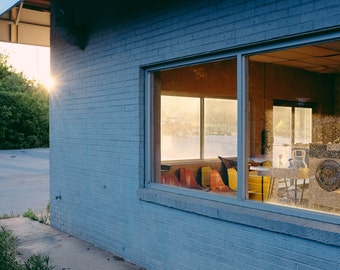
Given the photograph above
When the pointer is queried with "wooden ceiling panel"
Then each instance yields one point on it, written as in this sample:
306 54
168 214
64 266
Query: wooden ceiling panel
287 54
313 51
335 45
264 58
320 61
322 58
297 64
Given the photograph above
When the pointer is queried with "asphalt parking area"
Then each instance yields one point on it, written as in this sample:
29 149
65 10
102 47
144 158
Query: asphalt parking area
24 180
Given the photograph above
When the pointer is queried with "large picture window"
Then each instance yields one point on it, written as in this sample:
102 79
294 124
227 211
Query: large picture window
261 126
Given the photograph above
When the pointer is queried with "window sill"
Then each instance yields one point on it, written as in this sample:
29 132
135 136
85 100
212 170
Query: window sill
302 227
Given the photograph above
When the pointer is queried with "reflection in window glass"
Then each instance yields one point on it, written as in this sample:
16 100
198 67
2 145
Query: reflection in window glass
180 126
220 127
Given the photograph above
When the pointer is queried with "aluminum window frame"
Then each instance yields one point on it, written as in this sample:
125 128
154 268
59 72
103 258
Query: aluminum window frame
315 226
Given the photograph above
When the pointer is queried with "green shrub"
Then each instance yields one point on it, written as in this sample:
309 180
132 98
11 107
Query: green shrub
24 110
8 253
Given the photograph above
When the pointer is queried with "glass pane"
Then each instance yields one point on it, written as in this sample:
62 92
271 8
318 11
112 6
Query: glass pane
303 126
194 127
294 138
180 122
220 128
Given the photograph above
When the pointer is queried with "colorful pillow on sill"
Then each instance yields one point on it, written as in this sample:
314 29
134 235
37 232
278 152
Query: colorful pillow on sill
170 179
228 162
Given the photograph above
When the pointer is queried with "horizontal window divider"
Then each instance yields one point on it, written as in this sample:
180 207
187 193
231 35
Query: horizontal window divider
241 213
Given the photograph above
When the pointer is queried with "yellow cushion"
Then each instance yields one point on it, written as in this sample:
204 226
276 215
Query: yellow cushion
232 178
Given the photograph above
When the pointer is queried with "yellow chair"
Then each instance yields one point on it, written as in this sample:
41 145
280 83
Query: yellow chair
258 186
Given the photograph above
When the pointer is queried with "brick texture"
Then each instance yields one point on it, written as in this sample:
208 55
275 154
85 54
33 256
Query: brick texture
97 135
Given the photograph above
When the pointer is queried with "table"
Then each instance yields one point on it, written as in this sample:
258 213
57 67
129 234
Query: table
285 173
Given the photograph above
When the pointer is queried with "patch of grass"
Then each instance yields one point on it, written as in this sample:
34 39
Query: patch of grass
8 255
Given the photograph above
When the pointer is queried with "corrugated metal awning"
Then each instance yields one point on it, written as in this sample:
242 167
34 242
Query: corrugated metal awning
6 5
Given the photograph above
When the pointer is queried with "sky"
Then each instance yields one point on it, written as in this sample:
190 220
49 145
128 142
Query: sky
6 4
33 61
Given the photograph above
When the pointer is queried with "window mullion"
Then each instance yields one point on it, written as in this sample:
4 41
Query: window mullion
202 111
149 129
242 153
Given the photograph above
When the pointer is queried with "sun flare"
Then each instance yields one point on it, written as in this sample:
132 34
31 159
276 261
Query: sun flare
49 83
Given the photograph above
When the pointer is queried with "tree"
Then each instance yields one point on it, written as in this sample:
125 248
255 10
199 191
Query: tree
24 110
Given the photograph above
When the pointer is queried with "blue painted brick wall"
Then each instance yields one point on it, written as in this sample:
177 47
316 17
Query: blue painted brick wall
97 136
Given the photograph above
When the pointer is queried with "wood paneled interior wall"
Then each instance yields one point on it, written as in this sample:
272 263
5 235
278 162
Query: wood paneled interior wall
217 79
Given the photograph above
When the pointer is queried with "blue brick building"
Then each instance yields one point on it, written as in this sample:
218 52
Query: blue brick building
158 105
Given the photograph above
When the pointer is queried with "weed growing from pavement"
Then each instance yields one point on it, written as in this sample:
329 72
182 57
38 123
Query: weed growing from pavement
11 215
9 253
31 214
43 217
38 262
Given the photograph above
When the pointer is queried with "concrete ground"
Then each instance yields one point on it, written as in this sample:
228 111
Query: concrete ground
65 252
24 184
